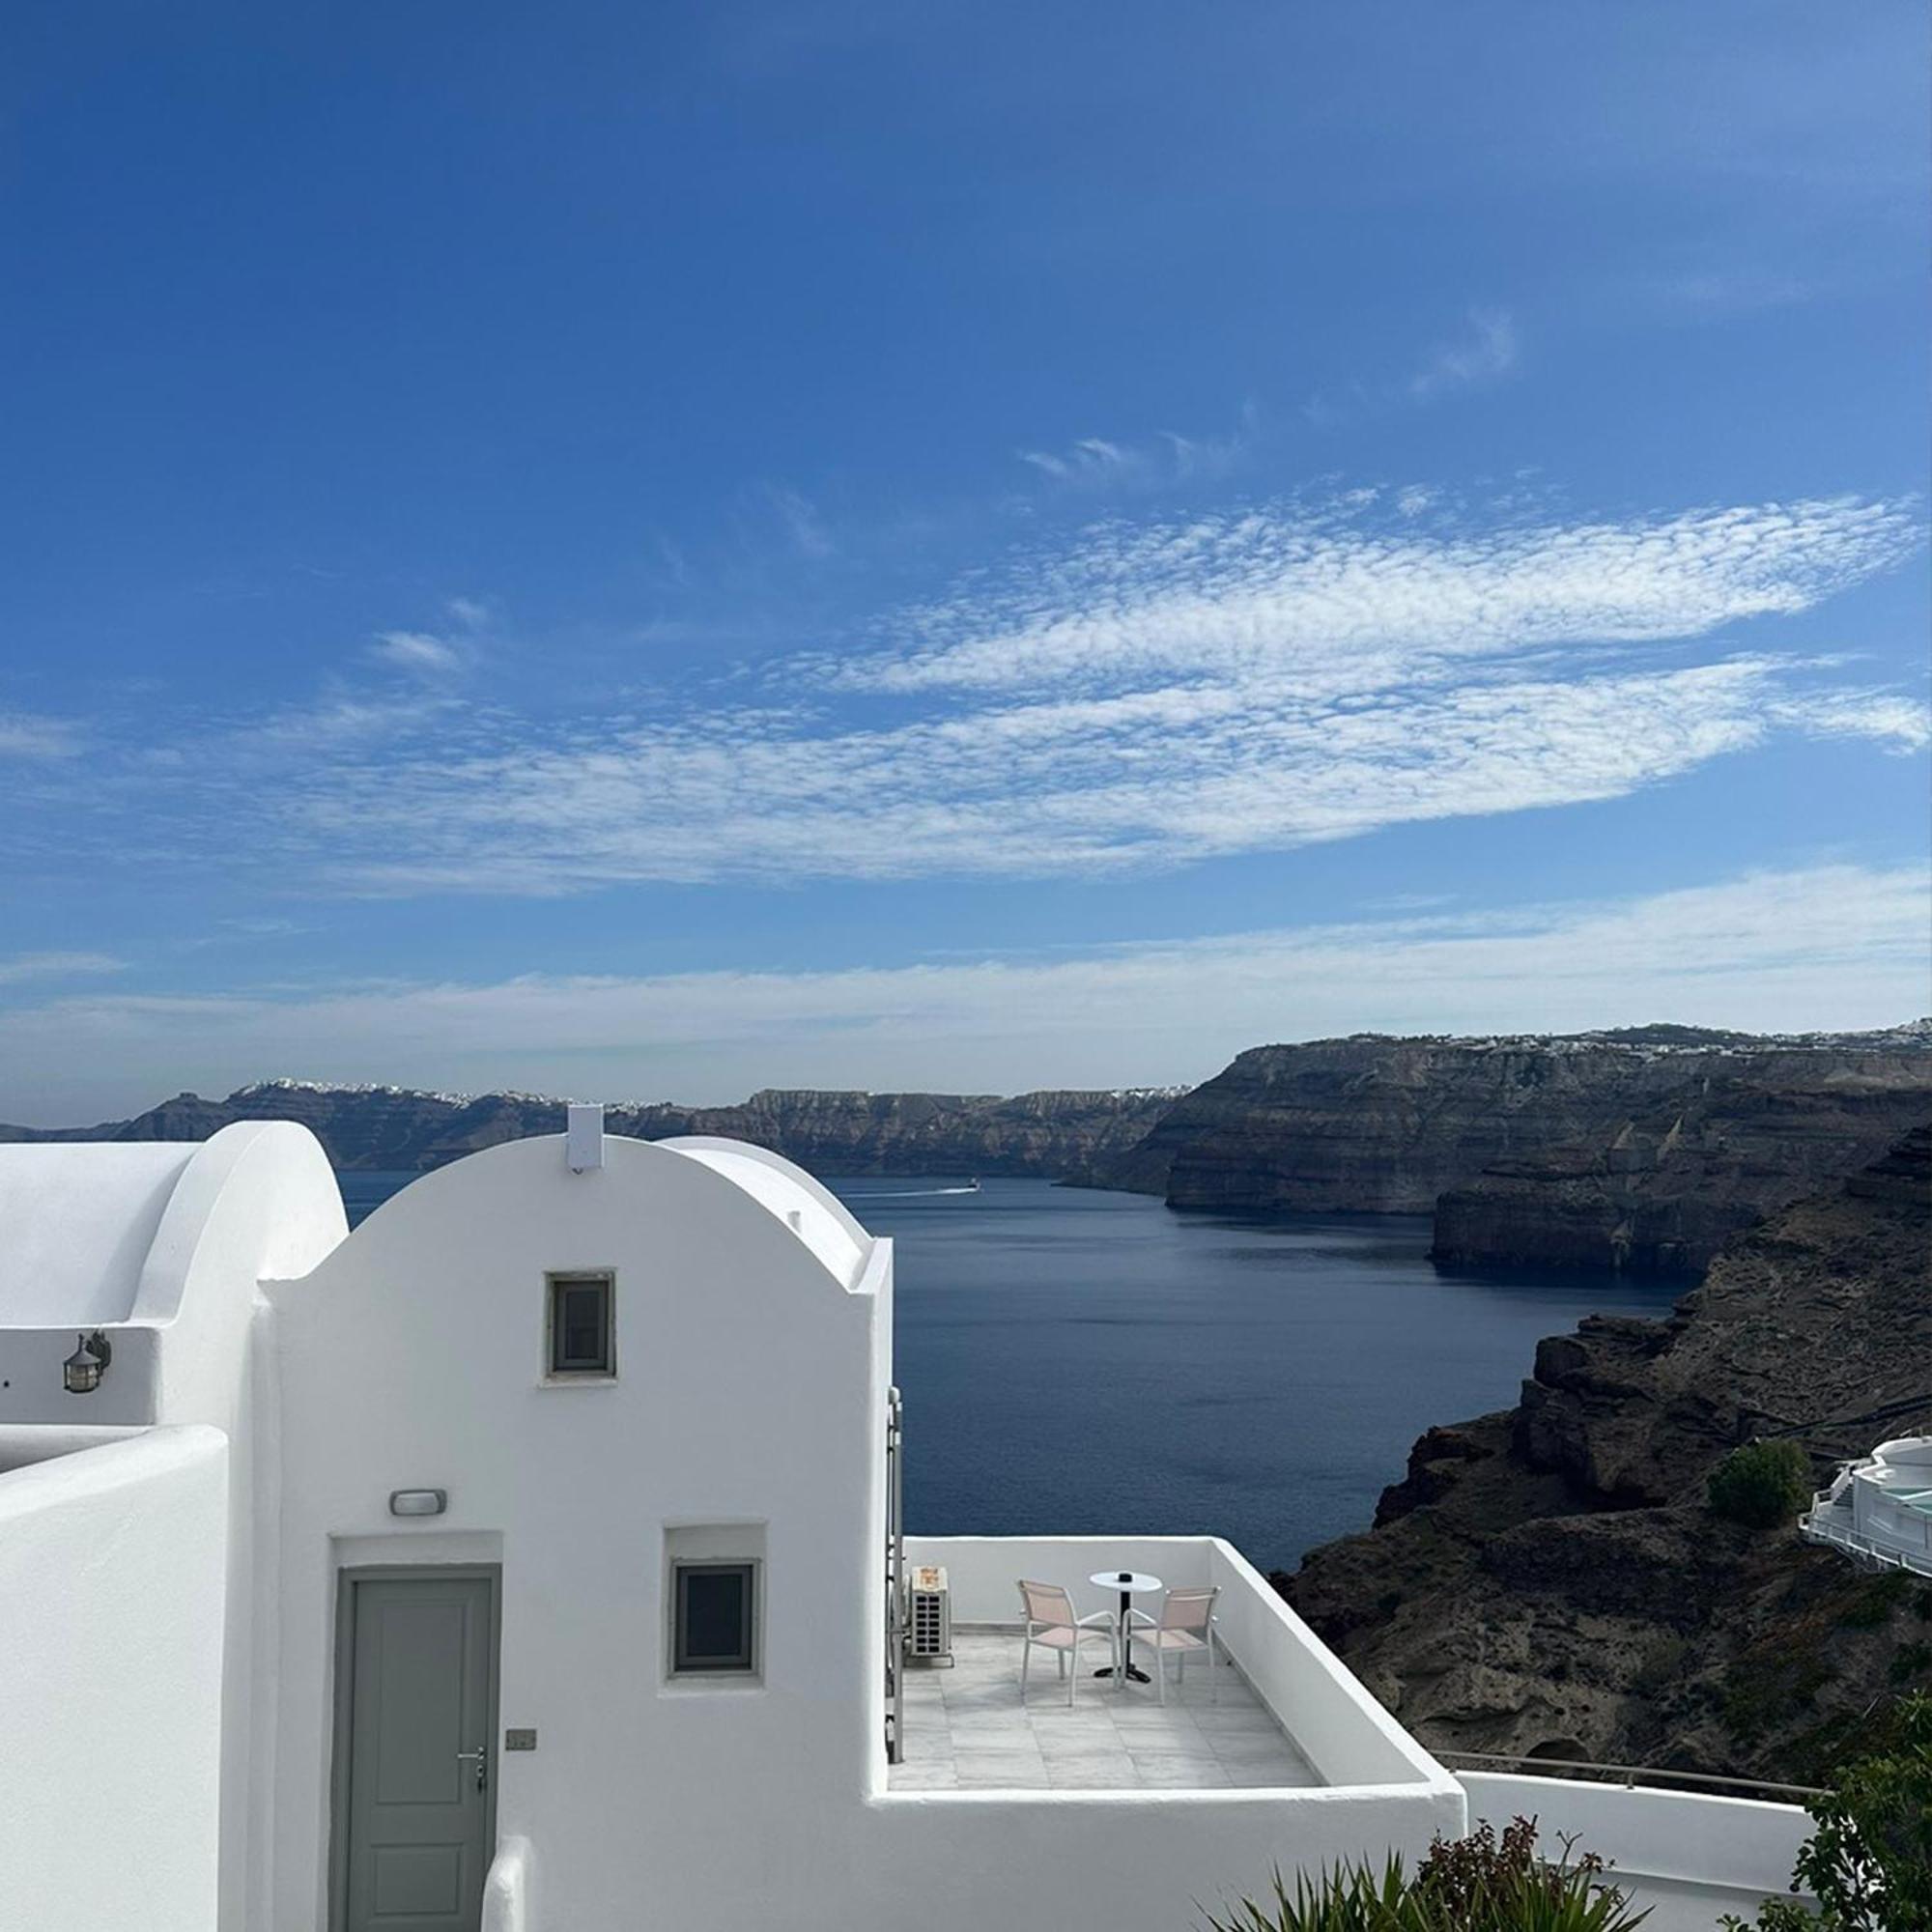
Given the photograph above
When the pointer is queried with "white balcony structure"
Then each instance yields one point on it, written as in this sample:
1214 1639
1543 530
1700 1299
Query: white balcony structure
518 1562
1879 1510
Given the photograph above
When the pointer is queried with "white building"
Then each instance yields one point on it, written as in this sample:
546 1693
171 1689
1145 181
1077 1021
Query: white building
519 1561
1879 1509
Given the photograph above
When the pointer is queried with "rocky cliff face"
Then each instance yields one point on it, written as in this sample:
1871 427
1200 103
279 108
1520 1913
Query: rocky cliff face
1378 1125
1730 1139
1548 1581
1641 1149
1048 1134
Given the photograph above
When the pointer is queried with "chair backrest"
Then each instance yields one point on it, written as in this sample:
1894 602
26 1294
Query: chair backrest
1188 1610
1047 1603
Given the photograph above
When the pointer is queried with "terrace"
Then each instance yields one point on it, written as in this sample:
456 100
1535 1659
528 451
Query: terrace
967 1729
1278 1716
1879 1510
1297 1765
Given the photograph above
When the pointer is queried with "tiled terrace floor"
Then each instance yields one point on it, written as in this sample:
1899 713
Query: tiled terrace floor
967 1730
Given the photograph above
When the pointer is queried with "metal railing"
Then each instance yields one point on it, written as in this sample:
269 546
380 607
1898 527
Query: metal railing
1631 1777
1888 1411
895 1592
1814 1528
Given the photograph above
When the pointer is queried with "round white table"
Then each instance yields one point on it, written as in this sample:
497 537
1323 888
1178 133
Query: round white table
1130 1583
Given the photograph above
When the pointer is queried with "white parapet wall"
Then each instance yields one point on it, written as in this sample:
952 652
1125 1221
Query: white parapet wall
112 1565
1688 1857
1149 1860
1342 1730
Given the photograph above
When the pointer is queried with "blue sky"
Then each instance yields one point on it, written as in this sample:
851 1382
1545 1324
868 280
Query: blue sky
656 551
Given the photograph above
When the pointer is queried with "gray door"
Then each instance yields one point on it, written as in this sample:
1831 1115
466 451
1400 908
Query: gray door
415 1818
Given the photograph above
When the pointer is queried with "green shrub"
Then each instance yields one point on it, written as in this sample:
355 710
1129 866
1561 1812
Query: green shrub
1910 1661
1874 1605
1478 1884
1869 1861
1761 1484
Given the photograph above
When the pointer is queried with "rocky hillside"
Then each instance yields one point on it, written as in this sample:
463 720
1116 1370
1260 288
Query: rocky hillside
1733 1138
401 1130
1549 1581
1642 1149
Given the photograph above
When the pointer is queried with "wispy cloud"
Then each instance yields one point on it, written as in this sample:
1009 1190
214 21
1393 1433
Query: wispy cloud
1096 463
1485 352
336 723
1090 457
24 735
419 653
1831 945
1146 693
1334 593
56 966
799 518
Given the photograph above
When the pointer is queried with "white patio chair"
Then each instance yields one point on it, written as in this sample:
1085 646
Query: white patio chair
1051 1624
1185 1629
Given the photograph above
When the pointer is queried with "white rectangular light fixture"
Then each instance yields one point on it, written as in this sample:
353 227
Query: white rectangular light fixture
418 1502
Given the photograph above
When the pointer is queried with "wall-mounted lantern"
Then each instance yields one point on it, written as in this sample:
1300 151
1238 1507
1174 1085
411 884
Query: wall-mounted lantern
81 1372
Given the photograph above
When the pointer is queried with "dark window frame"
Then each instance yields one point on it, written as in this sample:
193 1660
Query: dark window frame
558 1365
744 1661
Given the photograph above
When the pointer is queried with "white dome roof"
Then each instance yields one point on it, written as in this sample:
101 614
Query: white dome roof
810 1209
77 1221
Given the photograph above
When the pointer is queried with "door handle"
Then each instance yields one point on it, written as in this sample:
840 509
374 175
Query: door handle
481 1759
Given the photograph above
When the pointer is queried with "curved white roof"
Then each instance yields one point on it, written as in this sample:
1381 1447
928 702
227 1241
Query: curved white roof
809 1209
77 1221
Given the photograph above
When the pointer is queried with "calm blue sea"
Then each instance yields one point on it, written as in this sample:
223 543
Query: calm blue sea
1085 1362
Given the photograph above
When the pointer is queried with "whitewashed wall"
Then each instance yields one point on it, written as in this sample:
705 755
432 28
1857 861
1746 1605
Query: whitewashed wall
1117 1861
257 1199
163 1247
751 1389
1688 1857
1142 1860
111 1570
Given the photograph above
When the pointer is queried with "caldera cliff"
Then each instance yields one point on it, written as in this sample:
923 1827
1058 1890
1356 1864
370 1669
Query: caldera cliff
1550 1580
1642 1150
406 1129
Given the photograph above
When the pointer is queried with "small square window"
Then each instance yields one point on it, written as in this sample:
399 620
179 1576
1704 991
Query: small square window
581 1335
713 1617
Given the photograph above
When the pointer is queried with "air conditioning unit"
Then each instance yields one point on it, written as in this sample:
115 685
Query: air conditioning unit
928 1626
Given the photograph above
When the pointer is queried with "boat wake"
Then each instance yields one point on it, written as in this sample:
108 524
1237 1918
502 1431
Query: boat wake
912 1193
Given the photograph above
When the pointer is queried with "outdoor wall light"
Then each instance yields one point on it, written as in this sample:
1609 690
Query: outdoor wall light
418 1502
81 1372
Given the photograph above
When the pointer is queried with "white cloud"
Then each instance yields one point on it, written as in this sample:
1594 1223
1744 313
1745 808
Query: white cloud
1096 463
799 518
56 966
333 727
419 652
1485 354
1148 693
1826 947
1897 722
24 735
1160 776
1347 599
